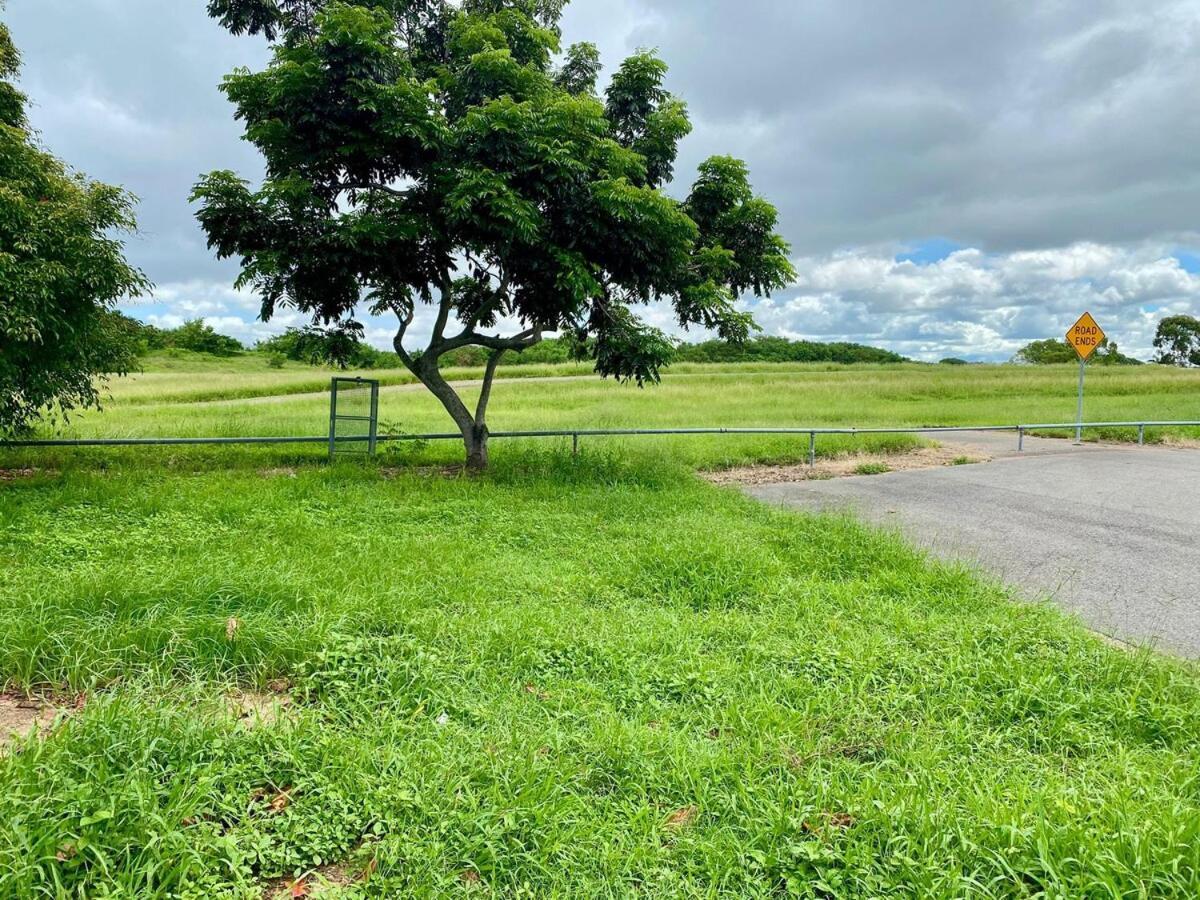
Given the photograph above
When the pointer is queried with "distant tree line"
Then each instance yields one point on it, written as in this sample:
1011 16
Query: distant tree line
1177 340
778 349
345 348
761 349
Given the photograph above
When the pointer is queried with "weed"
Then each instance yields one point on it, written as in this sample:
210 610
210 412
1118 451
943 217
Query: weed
872 468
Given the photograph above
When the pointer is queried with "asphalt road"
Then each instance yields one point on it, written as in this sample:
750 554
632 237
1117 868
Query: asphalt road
1109 533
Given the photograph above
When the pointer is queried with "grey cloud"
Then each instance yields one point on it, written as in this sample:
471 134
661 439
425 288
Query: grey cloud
1001 124
126 91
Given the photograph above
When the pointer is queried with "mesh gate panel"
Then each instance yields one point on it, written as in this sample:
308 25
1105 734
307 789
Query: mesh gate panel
353 416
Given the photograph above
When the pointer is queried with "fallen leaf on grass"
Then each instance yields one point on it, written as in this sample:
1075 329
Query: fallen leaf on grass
231 628
281 800
682 818
535 691
841 820
470 876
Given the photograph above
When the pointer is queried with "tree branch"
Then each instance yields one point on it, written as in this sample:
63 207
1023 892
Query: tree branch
398 342
375 187
470 337
485 394
436 342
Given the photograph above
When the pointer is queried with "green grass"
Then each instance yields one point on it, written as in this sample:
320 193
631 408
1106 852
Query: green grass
872 468
295 401
573 677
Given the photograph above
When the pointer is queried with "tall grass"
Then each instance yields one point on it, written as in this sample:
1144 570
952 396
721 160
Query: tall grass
716 396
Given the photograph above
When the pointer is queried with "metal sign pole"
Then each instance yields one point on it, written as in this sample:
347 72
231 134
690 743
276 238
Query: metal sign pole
1079 412
1086 336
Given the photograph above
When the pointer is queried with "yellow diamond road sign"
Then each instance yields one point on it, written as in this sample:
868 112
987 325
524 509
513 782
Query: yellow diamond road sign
1085 336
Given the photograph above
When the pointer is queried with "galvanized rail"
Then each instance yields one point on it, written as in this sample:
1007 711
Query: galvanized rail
577 433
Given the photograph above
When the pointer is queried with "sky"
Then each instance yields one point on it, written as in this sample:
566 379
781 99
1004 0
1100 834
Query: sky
955 179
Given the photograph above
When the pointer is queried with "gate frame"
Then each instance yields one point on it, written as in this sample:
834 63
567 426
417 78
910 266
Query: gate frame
334 418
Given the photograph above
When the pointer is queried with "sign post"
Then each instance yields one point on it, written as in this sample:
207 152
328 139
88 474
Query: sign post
1085 336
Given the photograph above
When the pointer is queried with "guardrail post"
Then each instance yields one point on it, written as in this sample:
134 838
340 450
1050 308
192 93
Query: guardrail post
1141 435
1020 440
575 445
812 449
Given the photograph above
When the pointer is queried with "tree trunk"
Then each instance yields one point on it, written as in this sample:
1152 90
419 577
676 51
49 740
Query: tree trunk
473 427
476 441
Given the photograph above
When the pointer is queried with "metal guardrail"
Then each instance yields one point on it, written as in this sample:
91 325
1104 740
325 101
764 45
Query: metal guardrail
577 433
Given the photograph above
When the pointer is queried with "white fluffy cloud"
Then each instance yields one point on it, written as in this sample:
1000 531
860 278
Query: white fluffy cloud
979 305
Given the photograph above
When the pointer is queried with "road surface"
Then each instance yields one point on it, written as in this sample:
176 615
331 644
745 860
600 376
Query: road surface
1110 533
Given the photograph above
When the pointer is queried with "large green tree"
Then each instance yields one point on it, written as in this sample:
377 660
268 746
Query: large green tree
61 271
448 162
1178 341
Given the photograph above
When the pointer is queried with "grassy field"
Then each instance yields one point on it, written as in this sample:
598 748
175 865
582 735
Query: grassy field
572 677
190 398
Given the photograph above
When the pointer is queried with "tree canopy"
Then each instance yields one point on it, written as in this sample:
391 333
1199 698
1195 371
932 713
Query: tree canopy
1056 352
61 271
1178 341
450 163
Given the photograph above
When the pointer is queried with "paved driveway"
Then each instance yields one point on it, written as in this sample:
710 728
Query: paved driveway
1109 533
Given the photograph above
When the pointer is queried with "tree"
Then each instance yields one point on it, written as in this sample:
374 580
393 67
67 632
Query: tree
198 337
61 271
327 347
1047 352
429 153
1053 352
1178 341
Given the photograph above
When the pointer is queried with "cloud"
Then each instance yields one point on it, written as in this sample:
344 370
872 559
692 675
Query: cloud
1008 126
980 305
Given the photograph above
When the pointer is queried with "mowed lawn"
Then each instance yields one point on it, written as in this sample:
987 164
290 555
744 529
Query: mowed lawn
571 677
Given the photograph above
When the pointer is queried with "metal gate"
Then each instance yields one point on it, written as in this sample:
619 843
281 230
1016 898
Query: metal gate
353 416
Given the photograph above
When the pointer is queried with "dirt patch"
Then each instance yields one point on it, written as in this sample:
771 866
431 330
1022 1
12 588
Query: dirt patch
21 716
390 472
314 884
24 474
256 708
1183 443
851 465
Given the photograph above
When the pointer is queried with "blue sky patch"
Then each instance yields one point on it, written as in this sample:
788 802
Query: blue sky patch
932 250
1188 261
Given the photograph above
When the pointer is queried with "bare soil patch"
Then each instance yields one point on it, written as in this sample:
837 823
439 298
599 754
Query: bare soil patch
22 715
1184 443
847 466
314 884
24 474
256 708
390 472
